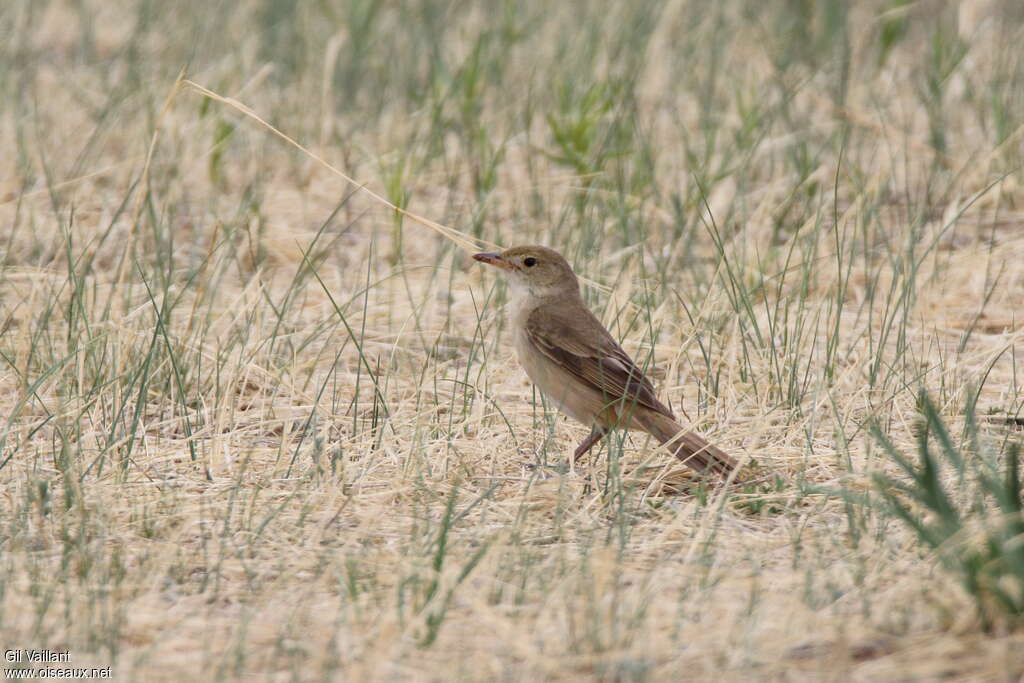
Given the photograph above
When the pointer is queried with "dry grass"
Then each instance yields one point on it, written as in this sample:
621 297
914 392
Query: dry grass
257 424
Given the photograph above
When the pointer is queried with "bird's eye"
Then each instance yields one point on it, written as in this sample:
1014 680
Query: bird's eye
529 262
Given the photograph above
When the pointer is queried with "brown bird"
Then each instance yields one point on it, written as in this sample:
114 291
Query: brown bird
577 364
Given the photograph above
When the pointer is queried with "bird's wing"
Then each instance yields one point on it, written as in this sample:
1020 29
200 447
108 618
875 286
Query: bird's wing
580 345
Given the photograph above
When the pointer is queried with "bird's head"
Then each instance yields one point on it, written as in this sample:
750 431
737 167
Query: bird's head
536 270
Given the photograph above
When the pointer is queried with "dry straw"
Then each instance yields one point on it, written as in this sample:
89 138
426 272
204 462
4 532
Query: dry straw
466 242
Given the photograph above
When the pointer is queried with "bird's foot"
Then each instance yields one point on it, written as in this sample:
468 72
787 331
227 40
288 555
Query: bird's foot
548 469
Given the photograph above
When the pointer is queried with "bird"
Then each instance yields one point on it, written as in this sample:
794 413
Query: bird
577 364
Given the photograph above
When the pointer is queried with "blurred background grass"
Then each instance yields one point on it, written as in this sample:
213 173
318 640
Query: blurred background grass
256 424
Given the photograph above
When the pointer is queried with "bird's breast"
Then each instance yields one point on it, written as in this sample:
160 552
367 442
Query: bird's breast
560 387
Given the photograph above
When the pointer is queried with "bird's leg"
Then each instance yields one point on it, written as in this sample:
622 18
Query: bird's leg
596 434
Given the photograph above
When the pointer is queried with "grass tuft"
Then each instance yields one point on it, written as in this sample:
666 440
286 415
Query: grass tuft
966 504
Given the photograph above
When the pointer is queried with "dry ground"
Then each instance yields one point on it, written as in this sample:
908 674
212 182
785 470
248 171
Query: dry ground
256 425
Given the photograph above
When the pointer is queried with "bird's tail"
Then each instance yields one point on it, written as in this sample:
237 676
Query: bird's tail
688 446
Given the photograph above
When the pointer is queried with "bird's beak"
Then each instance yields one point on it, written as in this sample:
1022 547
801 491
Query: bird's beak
494 260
